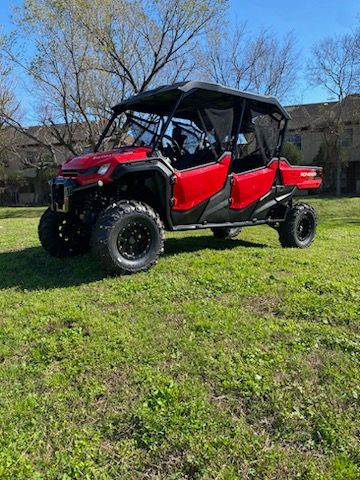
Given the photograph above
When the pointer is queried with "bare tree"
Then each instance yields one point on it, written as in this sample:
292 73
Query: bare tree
260 63
13 137
61 75
89 55
335 66
8 107
148 42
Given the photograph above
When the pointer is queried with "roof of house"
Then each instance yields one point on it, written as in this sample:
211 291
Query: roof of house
37 134
320 115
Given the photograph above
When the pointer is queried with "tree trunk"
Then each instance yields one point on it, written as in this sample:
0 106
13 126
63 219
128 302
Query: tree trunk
37 191
338 177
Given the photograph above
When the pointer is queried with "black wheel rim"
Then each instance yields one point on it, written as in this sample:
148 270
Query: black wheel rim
68 231
134 240
305 228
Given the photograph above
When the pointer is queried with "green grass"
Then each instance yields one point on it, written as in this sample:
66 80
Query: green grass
229 360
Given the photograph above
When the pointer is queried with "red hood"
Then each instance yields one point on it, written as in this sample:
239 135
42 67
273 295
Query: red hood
120 155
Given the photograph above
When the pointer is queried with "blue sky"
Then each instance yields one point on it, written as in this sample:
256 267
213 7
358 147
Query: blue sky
5 11
310 20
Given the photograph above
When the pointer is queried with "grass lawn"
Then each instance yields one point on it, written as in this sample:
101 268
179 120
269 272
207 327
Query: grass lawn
230 359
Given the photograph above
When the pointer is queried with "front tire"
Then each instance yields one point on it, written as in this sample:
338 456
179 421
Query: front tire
62 235
224 233
128 238
299 228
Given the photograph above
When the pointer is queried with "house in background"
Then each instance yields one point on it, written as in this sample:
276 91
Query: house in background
313 129
26 164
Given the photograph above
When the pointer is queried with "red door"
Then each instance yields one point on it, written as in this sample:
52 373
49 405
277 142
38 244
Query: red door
248 187
197 184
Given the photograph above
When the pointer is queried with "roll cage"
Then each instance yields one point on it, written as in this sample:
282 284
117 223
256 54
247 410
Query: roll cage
210 110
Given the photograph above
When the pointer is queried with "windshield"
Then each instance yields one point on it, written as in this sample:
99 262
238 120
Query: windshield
185 134
132 129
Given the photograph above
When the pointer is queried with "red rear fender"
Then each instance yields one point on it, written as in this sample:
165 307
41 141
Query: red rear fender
302 177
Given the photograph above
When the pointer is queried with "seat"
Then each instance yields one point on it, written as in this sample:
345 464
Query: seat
247 163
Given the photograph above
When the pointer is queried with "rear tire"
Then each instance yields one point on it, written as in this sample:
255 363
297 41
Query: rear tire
299 228
128 238
62 235
223 233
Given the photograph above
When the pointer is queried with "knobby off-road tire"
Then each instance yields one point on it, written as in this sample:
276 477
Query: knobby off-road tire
223 233
299 228
62 235
128 238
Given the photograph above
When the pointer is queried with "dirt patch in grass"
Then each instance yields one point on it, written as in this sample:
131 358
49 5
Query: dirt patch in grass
315 361
66 324
266 304
176 319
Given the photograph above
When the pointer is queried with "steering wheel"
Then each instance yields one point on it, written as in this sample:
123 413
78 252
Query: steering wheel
175 143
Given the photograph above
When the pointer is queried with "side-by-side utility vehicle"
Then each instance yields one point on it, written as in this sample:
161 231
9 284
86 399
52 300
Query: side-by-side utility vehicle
187 156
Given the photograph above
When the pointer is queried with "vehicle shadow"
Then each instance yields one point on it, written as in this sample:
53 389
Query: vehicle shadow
33 269
198 243
20 212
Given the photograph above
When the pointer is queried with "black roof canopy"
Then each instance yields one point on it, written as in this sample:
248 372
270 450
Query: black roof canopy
161 100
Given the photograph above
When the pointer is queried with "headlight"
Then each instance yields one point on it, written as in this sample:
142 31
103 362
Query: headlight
103 169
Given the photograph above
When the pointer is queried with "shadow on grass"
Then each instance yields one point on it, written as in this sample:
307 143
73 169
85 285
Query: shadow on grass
21 212
33 269
195 244
341 222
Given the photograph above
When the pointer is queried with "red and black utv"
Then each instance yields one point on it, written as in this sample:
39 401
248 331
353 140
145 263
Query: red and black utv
187 156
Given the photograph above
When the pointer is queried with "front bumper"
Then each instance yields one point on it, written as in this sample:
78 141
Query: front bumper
61 191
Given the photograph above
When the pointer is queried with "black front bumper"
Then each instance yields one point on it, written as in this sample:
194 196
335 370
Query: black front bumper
61 191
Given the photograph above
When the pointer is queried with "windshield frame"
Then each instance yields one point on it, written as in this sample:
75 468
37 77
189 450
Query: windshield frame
131 118
157 138
146 127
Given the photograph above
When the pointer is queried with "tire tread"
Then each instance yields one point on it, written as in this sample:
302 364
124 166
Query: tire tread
287 229
48 222
100 236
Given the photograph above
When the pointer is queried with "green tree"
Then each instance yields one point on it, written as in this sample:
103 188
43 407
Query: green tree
293 154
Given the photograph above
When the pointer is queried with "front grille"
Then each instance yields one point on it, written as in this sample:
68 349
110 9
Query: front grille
79 172
72 173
